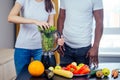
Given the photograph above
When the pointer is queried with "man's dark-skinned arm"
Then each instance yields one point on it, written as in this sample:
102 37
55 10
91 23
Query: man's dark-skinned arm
93 52
60 25
61 19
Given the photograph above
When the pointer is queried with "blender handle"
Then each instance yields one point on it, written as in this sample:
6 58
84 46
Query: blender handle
59 36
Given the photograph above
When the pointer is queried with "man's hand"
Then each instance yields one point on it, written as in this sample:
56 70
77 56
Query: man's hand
61 50
61 41
93 56
61 45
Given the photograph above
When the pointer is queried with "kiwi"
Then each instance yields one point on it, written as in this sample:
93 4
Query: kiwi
99 74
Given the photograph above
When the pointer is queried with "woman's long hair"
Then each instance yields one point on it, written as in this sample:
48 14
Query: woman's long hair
48 5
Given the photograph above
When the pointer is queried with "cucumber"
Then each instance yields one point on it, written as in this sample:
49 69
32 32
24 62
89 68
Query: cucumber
93 73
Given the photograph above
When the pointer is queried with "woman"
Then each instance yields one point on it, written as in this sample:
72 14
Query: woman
34 13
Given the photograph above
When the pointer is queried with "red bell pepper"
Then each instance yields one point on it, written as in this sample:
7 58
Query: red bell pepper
71 67
84 70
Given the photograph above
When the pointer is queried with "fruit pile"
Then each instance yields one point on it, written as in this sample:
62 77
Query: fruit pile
70 70
102 73
105 73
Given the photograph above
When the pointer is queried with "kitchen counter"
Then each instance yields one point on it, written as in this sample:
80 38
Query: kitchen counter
24 75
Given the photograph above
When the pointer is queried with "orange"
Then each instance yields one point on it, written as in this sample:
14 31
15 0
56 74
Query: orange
36 68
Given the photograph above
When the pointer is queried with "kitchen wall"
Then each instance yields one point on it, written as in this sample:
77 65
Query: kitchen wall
6 29
109 59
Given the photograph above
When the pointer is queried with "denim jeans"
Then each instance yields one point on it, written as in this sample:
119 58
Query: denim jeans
75 55
23 57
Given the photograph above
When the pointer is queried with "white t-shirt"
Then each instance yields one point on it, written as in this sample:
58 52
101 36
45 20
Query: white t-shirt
78 21
29 37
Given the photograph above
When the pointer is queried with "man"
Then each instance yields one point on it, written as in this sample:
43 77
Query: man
75 23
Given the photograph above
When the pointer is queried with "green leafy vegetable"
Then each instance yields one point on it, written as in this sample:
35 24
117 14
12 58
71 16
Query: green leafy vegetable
47 38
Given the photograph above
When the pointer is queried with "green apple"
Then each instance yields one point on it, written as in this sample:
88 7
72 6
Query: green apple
81 64
58 67
106 71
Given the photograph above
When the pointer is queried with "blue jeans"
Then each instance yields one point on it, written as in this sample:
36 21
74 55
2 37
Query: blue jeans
23 57
75 55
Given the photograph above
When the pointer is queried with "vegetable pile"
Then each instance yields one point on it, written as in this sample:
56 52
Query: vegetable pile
47 38
79 69
74 69
70 70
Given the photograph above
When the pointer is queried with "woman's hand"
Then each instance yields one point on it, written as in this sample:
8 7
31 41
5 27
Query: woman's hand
44 25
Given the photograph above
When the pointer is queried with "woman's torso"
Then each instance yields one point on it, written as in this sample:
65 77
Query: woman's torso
29 37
